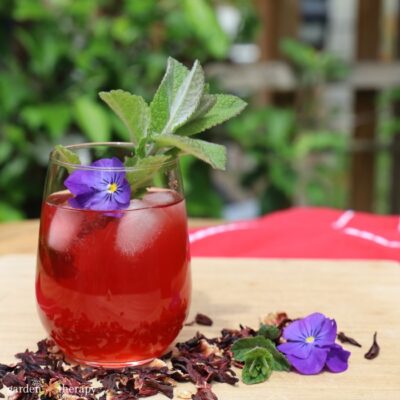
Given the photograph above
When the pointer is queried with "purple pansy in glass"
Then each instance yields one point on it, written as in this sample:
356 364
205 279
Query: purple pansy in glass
104 189
311 345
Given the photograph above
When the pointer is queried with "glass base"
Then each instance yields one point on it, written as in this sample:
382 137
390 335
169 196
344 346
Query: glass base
112 365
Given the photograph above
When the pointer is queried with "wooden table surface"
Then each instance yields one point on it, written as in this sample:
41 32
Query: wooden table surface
361 296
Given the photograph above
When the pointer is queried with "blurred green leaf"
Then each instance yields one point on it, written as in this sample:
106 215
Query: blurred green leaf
15 136
202 18
12 171
311 61
56 55
9 213
55 118
28 10
309 142
92 119
5 150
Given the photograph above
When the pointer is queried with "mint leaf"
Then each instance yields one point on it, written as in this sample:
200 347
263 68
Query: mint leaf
279 362
67 156
207 102
165 95
131 109
145 169
186 100
269 331
242 346
225 107
211 153
257 367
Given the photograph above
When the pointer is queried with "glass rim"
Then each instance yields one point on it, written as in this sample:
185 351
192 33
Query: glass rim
128 145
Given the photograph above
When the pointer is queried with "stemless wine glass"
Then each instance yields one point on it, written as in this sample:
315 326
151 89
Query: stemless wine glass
113 285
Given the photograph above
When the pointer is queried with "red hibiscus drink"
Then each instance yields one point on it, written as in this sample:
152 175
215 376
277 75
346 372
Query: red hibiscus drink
113 280
113 284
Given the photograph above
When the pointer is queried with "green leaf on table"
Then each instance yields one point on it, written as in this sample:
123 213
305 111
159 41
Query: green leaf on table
166 92
242 346
144 169
257 366
211 153
225 107
279 361
67 156
131 109
92 119
269 331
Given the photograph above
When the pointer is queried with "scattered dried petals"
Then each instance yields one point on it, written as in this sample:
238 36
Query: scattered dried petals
202 319
343 338
275 318
373 352
184 394
204 394
208 349
157 364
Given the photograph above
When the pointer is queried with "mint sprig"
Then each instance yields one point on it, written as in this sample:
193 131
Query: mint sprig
260 357
182 106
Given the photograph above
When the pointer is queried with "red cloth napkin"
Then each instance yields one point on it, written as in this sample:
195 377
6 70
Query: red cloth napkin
303 233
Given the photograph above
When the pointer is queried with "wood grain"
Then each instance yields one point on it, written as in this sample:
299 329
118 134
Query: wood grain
361 296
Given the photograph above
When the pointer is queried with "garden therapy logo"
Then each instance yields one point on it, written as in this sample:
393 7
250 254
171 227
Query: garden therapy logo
160 132
52 389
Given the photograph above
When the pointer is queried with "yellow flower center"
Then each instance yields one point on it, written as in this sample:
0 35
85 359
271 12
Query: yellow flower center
112 188
310 339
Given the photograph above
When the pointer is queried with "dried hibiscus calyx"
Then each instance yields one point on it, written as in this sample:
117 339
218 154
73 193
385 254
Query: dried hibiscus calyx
278 345
202 319
204 394
343 338
373 352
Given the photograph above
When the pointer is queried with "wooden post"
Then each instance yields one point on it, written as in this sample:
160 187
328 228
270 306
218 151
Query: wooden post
395 175
279 19
363 162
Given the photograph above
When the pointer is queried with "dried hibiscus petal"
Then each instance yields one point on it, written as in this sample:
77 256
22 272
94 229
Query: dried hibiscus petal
373 352
204 394
202 319
343 338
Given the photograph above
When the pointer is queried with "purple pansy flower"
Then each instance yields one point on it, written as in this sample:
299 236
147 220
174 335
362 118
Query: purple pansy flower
311 345
105 188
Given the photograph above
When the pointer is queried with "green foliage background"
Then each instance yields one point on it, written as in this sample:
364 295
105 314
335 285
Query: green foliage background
56 55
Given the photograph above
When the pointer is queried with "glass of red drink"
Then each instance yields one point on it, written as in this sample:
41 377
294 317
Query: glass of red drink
113 286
